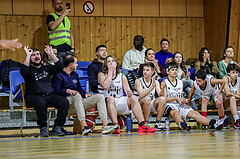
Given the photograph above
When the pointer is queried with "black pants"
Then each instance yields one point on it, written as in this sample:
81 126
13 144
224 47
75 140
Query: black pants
40 104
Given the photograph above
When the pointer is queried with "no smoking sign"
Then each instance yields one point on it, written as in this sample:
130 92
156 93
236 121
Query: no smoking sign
88 7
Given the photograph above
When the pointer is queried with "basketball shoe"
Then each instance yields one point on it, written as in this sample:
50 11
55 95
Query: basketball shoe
86 130
44 132
145 128
220 123
109 129
237 124
159 126
183 125
118 130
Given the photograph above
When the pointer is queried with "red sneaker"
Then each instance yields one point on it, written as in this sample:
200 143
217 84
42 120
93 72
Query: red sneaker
118 130
146 128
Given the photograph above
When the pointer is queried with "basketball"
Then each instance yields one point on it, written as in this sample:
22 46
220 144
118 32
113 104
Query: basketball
122 121
90 120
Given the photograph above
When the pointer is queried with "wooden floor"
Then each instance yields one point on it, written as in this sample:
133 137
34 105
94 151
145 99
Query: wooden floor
172 144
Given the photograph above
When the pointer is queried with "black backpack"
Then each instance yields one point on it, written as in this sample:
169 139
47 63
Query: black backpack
131 77
7 66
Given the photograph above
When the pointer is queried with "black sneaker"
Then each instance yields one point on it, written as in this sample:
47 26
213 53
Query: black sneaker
183 125
159 126
86 130
237 124
44 132
220 123
57 131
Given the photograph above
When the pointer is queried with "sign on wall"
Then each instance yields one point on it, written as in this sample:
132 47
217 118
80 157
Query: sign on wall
88 7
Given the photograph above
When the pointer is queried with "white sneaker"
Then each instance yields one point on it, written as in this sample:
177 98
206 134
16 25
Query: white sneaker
159 126
86 131
220 123
109 129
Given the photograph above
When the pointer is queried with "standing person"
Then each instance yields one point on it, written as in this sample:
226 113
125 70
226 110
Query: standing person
111 85
95 67
184 75
147 88
134 57
177 107
231 93
66 83
39 90
59 30
159 71
206 63
164 56
10 44
227 58
207 85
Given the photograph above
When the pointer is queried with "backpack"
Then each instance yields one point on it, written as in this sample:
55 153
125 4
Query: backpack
131 77
8 66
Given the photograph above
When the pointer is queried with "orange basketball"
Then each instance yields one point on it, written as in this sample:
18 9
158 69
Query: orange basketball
90 120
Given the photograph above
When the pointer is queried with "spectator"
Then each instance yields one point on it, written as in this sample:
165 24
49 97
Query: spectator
158 69
206 63
95 67
59 30
227 56
164 56
39 90
66 83
134 57
184 75
47 59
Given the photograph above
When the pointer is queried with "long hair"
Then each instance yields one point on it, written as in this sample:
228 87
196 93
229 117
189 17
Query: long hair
224 52
182 64
105 69
200 55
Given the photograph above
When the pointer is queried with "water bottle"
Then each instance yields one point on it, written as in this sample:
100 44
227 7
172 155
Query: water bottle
167 125
129 125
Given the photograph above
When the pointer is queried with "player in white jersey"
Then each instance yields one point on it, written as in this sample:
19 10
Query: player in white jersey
206 84
231 92
111 83
176 106
147 87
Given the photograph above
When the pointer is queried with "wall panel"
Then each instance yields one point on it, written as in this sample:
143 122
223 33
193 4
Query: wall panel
117 8
6 7
173 8
195 8
186 35
49 9
145 8
28 7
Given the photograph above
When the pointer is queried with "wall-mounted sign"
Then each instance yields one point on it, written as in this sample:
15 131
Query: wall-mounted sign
88 7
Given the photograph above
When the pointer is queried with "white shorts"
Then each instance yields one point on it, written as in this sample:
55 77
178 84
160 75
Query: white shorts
121 105
208 96
153 110
183 109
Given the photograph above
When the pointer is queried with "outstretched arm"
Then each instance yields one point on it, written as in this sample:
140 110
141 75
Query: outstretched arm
10 44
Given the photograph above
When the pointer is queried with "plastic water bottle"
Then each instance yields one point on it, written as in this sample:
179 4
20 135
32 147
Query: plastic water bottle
129 125
167 125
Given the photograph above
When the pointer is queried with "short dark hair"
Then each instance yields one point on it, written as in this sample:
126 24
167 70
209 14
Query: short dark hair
68 59
163 39
201 74
148 50
232 67
98 47
170 65
149 64
35 49
224 51
53 1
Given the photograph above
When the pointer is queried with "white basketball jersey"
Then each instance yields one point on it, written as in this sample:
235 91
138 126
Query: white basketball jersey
209 89
174 91
145 87
233 88
116 88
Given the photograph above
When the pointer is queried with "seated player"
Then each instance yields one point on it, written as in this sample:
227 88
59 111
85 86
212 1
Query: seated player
112 83
207 85
147 87
231 92
66 83
177 106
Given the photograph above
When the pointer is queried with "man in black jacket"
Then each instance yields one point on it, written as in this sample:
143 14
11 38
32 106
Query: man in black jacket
39 91
95 67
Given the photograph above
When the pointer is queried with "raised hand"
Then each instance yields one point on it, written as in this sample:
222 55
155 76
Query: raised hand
28 51
48 49
10 44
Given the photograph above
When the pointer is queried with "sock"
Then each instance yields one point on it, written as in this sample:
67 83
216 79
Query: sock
220 117
85 127
212 122
235 117
142 123
204 114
